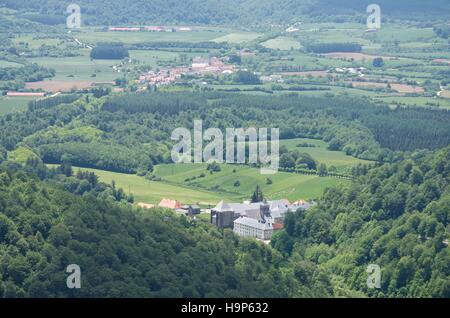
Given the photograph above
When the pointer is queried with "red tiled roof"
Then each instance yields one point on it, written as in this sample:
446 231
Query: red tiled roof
169 204
277 226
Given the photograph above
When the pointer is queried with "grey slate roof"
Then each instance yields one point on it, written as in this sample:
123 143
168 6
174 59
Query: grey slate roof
222 207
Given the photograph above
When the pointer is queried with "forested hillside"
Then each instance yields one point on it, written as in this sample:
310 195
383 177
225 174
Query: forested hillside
261 12
124 252
396 216
131 133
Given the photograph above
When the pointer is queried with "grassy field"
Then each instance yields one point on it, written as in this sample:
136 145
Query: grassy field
210 189
238 37
285 185
35 43
151 57
152 192
9 104
79 68
282 43
321 154
417 101
91 36
4 63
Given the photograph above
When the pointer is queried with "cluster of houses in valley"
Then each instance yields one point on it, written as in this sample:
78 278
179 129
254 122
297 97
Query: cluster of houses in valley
258 220
199 66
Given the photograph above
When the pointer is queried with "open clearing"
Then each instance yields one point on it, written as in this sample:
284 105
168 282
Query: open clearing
13 104
321 154
283 43
93 37
79 68
63 86
210 189
285 185
407 89
400 88
238 37
147 191
354 56
4 63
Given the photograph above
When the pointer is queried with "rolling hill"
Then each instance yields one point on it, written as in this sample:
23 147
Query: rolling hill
247 12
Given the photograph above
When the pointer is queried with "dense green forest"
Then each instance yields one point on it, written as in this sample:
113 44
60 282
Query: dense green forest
14 78
396 216
247 12
131 133
107 51
124 252
364 137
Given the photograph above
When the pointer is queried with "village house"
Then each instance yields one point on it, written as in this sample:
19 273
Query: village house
169 204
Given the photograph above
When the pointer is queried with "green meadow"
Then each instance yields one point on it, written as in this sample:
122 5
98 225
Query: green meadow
13 104
79 68
321 154
4 63
93 37
282 43
35 43
154 57
210 189
238 37
284 185
147 191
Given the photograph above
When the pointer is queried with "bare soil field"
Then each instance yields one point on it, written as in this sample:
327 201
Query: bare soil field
400 88
405 89
63 86
369 84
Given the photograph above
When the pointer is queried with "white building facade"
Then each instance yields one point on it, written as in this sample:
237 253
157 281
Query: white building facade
248 227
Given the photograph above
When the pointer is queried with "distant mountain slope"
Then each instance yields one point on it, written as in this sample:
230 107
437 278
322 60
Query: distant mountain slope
225 12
